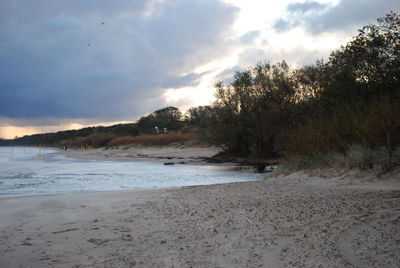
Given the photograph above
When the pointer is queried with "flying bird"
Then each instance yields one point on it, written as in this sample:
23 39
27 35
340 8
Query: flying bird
102 23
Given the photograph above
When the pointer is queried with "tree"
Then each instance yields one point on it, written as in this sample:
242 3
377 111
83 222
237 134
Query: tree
255 107
354 97
168 114
169 117
201 116
368 67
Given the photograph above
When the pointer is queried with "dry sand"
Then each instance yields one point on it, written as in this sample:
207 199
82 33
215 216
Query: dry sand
174 154
300 220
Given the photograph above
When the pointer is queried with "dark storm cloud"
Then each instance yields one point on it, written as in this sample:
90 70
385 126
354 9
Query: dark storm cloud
104 59
33 11
346 15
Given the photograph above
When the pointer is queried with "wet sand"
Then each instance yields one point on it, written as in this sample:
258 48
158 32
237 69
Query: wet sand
299 220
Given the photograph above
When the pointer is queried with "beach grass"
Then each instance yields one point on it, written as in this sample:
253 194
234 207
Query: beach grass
151 140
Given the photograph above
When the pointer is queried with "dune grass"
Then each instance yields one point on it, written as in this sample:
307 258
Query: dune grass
155 140
356 156
109 140
95 140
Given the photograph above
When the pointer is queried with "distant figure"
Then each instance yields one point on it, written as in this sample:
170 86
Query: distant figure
157 130
165 130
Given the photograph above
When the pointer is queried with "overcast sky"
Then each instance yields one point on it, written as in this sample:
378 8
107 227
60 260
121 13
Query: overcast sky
71 63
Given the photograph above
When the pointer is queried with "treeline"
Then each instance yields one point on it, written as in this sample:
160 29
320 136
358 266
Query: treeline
169 118
51 139
347 106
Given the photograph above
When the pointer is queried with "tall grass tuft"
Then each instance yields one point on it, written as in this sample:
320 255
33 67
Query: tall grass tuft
95 140
356 156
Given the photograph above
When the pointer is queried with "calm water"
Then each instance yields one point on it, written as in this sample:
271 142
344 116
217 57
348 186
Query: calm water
33 171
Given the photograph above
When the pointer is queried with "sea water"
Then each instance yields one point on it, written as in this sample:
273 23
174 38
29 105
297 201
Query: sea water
26 171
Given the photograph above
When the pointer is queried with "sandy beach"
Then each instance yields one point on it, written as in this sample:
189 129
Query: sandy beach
173 154
299 220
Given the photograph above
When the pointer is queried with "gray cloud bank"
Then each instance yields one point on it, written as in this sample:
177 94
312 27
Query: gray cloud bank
346 15
104 59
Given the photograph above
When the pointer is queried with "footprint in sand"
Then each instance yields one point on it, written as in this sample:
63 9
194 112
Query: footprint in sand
98 242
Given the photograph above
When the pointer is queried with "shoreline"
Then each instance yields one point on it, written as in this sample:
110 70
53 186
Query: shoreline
171 154
204 154
119 156
105 192
295 220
